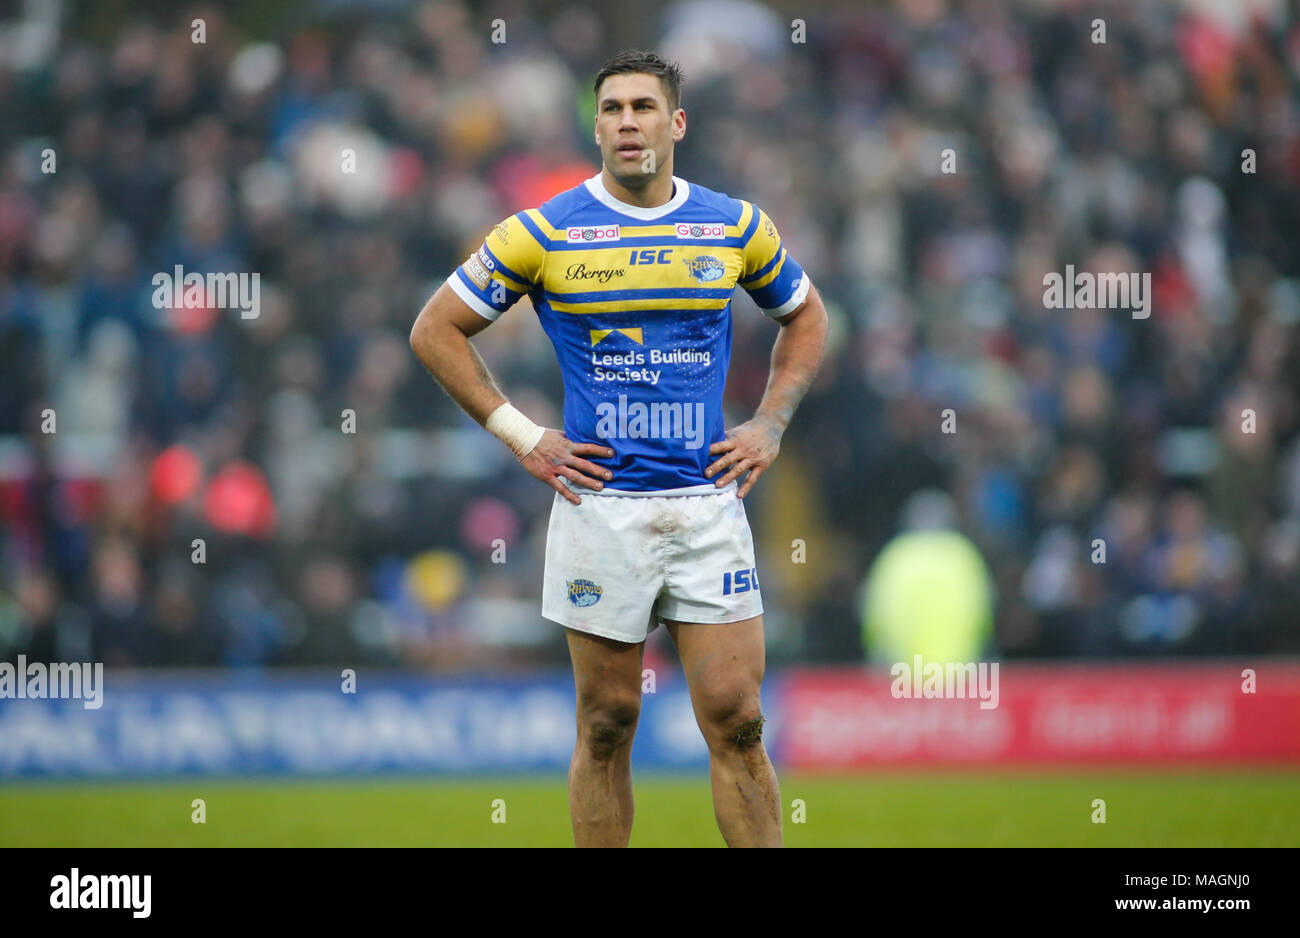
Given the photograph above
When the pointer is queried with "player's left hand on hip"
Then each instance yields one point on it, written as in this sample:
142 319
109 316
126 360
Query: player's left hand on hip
751 446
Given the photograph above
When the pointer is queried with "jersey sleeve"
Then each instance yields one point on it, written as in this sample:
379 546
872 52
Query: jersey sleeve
773 278
506 266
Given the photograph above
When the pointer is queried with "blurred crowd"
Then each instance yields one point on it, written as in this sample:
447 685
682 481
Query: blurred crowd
183 486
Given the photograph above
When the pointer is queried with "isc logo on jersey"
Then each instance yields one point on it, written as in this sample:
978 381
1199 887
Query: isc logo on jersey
597 234
702 232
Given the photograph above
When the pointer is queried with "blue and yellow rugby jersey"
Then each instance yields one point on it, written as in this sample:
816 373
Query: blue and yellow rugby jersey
637 302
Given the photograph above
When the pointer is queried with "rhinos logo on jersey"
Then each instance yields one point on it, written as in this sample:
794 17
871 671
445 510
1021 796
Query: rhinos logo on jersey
706 268
584 592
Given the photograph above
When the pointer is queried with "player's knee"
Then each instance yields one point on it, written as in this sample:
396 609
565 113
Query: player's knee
747 733
736 727
608 730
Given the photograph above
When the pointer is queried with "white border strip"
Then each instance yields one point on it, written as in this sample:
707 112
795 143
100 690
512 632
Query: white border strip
706 489
597 189
472 300
790 305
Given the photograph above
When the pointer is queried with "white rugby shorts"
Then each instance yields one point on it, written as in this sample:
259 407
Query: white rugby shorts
617 565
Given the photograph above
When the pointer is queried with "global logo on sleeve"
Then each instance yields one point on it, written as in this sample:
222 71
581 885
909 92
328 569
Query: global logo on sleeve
600 233
713 232
584 592
706 268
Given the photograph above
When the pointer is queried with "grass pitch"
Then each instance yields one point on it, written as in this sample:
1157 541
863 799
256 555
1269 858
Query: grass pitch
1183 809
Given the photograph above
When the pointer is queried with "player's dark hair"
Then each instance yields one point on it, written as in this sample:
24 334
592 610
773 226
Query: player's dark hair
634 60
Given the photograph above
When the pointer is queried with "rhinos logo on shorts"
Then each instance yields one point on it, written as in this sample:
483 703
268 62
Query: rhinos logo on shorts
654 327
584 592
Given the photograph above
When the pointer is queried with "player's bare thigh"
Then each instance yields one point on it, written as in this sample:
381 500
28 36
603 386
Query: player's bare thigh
724 665
606 674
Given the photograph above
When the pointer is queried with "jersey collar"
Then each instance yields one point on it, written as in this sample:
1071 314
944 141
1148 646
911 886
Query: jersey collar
681 192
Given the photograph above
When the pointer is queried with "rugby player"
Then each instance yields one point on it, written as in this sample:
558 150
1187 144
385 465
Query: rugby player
632 274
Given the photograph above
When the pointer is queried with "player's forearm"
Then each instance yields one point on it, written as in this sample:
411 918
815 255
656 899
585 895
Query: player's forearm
796 357
451 358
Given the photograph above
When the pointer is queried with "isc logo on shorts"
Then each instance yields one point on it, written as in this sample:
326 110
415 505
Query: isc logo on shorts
594 235
584 592
706 232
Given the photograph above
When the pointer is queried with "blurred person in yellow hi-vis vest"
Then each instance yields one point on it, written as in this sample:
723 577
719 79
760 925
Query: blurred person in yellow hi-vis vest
929 592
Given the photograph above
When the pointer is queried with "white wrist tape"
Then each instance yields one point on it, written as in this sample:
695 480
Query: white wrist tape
514 429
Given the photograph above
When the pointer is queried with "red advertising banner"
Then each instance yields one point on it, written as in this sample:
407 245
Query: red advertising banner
1024 714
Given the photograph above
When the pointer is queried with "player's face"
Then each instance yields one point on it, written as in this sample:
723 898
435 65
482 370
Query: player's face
635 129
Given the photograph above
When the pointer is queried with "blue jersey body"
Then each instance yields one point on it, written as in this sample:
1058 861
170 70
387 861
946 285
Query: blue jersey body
637 303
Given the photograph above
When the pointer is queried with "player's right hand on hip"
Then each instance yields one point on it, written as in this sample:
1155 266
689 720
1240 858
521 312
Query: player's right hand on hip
554 457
